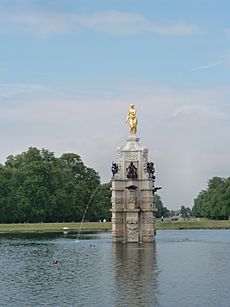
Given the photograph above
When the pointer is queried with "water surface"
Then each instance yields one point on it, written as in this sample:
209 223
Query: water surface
182 268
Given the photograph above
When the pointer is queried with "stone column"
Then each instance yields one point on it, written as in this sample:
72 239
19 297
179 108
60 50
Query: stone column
133 209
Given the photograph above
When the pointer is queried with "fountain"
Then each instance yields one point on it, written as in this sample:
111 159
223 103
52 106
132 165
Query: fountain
86 209
133 208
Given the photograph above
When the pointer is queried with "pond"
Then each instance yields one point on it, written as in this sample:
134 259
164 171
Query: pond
182 268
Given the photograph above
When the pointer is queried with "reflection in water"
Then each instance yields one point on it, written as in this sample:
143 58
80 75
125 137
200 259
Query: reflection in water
183 268
135 273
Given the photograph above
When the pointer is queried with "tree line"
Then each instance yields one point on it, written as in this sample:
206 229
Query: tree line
213 202
36 186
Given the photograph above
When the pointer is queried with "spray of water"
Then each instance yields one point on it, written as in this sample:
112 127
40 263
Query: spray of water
86 209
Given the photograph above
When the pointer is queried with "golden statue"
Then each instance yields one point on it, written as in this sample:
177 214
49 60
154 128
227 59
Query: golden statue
132 120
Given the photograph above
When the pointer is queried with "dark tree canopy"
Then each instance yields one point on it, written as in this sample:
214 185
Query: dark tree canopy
36 186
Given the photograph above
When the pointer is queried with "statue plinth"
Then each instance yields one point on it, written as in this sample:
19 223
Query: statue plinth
133 208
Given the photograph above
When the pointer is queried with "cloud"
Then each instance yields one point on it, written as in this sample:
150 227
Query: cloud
180 128
114 22
207 66
199 110
14 89
129 23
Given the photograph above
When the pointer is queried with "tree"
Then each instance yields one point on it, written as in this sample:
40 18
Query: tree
185 212
99 208
36 186
161 210
214 202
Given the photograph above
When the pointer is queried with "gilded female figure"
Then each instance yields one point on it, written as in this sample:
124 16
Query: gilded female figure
132 119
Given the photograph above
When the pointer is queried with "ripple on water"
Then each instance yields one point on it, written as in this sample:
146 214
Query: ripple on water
183 268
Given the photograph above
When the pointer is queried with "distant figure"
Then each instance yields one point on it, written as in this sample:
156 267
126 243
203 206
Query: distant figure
151 170
114 168
131 171
132 120
55 262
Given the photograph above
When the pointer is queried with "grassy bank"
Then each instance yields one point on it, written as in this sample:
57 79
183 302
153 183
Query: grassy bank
94 226
53 227
193 224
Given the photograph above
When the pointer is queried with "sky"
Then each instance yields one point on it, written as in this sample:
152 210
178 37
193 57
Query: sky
69 70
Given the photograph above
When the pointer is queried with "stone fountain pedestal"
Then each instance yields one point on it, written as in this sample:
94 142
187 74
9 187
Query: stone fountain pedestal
133 209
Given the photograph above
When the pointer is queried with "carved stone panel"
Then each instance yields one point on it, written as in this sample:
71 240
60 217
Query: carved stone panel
132 227
132 199
145 160
117 202
131 156
117 220
148 219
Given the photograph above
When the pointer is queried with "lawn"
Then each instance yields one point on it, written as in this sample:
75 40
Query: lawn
53 227
96 226
193 224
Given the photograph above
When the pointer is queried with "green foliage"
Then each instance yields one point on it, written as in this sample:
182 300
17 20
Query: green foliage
185 212
214 202
35 186
161 210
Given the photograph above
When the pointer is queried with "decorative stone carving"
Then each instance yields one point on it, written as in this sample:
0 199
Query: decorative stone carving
145 155
145 160
131 156
145 152
118 233
148 220
148 232
147 200
132 146
132 225
117 220
117 202
132 198
119 167
145 167
119 153
118 175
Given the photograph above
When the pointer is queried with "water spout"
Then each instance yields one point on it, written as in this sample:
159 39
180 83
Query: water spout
86 209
